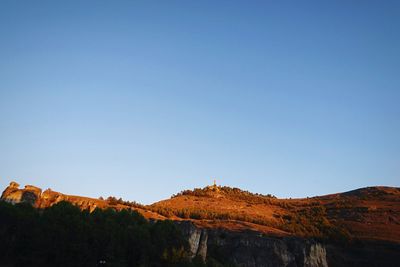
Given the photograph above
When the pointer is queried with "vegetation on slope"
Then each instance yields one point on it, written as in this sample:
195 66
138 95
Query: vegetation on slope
302 218
231 192
63 235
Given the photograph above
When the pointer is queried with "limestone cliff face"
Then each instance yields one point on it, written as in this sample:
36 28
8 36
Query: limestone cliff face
197 239
250 249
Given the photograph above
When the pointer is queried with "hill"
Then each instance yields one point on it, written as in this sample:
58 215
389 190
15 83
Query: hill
366 213
371 213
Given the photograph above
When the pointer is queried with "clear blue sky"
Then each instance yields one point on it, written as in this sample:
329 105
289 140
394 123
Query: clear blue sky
141 99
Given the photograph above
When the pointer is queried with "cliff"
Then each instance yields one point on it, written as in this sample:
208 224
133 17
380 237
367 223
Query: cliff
251 249
254 249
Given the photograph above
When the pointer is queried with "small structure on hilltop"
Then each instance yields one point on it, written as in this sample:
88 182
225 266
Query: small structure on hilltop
214 187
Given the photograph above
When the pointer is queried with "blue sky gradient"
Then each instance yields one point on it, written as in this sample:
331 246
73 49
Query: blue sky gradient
141 99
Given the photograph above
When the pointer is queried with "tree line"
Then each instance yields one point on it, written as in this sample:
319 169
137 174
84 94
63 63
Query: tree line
64 235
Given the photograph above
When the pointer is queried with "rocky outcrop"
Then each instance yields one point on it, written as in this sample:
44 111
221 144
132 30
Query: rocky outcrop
11 193
252 249
34 196
30 194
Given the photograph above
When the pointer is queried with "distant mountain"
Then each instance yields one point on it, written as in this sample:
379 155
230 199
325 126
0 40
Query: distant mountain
312 230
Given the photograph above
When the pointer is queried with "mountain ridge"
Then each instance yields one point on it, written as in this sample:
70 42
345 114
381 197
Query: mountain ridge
369 213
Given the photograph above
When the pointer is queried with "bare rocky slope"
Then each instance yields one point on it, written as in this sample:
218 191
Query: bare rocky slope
356 228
